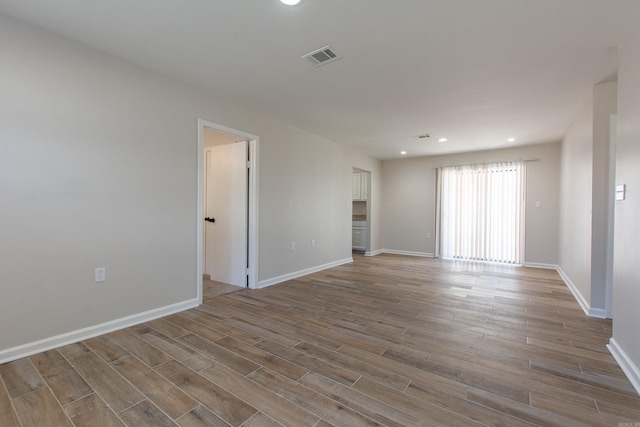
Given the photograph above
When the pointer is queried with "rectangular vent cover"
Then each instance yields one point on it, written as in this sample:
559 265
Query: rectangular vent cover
322 56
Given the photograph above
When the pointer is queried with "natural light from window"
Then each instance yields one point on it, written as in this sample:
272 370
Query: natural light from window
481 212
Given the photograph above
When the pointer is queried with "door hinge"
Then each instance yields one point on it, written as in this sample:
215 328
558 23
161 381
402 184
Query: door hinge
247 271
248 164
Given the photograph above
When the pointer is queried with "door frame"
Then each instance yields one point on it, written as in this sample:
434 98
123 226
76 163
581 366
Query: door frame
368 174
252 211
611 215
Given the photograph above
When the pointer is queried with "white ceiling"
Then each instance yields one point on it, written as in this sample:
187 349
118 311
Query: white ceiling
474 71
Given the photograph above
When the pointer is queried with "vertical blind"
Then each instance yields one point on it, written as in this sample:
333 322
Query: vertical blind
481 212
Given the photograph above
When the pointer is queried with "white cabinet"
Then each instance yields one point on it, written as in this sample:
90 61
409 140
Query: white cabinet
356 186
358 238
359 186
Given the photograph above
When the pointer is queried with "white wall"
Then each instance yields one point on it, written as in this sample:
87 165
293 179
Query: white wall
409 199
584 197
626 290
575 201
605 100
98 168
305 194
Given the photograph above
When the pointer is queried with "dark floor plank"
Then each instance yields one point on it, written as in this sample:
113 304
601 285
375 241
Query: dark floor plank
412 406
115 390
106 348
300 358
202 417
521 411
373 408
394 380
162 393
272 404
219 401
323 407
20 377
8 416
184 321
180 352
91 411
40 409
474 411
220 354
261 420
144 351
144 414
65 382
263 358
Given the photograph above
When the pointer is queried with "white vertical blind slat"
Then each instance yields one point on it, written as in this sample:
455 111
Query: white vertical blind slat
481 212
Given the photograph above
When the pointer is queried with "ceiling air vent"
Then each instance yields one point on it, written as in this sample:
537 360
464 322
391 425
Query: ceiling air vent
322 56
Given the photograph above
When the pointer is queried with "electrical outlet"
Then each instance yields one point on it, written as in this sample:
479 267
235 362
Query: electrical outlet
293 246
101 274
313 242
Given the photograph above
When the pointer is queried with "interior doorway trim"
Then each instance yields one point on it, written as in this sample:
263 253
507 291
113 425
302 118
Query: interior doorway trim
252 235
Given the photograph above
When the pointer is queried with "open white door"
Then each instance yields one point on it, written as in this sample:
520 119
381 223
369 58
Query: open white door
226 203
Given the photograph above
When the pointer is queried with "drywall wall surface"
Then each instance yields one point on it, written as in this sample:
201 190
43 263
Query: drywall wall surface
585 195
626 289
409 217
303 194
574 241
408 213
605 100
98 168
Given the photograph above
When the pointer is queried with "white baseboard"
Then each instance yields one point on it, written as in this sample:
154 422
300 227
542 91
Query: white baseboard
628 367
576 293
599 313
408 253
296 274
374 253
35 347
541 265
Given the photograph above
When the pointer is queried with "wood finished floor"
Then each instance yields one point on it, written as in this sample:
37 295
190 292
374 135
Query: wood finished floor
212 289
387 340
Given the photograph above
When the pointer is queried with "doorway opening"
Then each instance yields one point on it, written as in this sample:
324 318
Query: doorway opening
227 249
361 212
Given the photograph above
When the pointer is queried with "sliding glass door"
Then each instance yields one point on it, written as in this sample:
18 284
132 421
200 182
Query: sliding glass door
481 212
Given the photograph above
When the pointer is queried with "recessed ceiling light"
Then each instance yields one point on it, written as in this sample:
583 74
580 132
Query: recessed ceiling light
291 2
403 152
442 140
511 139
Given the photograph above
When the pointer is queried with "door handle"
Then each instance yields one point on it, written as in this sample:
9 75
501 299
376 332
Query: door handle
210 219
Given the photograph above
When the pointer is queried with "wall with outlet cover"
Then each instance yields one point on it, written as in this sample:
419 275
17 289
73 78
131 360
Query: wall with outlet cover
409 199
98 168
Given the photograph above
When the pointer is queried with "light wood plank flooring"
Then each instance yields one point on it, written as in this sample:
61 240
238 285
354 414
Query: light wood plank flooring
387 340
212 289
